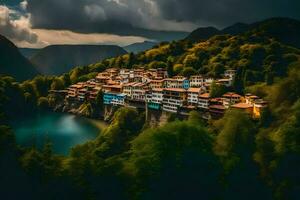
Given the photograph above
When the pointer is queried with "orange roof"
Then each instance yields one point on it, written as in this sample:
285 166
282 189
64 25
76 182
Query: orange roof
78 85
111 82
175 89
232 94
242 106
194 90
112 86
205 95
253 97
157 89
112 70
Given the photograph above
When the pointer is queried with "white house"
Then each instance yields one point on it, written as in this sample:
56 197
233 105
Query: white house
193 94
203 101
196 81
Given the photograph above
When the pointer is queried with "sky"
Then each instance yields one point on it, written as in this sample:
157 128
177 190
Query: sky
38 23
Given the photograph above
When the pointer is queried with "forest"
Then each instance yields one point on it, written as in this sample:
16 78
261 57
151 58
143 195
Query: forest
235 157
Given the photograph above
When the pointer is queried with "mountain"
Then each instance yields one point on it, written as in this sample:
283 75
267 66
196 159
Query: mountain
236 29
203 33
58 59
284 30
160 36
28 52
13 63
139 47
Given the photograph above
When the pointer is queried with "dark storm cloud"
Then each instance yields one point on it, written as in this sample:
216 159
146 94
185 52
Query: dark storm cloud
112 16
124 16
226 12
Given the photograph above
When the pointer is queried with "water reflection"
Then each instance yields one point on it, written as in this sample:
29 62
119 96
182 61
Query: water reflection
63 130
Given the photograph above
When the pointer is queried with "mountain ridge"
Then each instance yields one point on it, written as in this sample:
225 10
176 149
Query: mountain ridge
59 59
285 30
140 46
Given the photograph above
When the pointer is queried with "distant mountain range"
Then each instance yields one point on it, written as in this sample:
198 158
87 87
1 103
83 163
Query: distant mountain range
284 30
58 59
139 47
161 36
13 63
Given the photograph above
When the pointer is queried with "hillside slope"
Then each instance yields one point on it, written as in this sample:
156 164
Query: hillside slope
58 59
284 30
12 63
202 33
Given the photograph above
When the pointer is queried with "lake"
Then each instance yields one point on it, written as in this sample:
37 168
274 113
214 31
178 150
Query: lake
63 130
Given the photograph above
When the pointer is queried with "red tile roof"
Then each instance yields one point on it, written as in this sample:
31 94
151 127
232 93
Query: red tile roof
194 90
242 106
205 96
232 95
157 89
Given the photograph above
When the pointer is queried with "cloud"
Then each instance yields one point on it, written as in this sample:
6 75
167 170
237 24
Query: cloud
38 23
52 37
225 12
123 17
23 5
95 12
127 16
16 27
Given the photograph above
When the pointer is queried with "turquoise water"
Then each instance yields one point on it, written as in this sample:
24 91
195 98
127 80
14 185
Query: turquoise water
63 130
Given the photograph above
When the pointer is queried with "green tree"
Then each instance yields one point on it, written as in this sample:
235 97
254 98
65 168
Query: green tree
191 61
115 139
43 103
57 84
177 68
235 144
173 162
287 148
217 90
188 71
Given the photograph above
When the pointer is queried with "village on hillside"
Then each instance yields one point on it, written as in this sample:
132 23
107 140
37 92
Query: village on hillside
153 89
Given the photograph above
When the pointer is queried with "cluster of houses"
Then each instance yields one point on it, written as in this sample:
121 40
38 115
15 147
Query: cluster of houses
155 90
